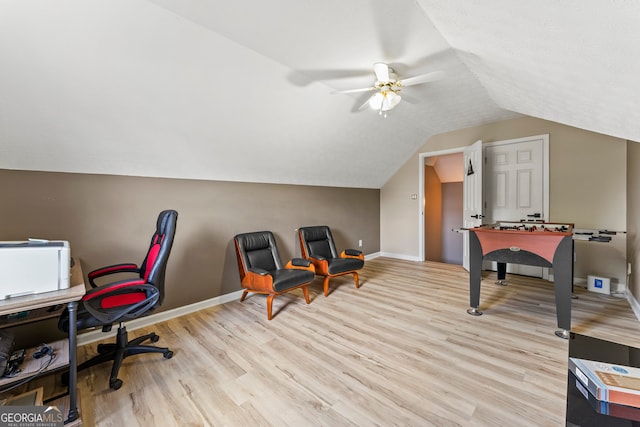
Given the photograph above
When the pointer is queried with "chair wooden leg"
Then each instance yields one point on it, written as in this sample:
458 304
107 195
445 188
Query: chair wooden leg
305 291
270 305
244 295
326 285
355 279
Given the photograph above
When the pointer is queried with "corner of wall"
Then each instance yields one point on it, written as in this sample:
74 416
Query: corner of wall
633 302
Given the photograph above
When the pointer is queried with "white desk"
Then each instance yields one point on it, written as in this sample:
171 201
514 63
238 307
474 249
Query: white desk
70 297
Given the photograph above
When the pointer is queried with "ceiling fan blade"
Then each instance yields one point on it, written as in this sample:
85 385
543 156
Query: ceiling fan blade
410 99
365 104
305 77
364 89
423 78
382 71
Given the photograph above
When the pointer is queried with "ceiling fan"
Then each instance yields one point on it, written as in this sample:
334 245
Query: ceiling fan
388 86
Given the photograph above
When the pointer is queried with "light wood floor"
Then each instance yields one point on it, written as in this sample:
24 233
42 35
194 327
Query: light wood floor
401 350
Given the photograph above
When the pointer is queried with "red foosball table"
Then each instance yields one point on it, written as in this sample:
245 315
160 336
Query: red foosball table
529 243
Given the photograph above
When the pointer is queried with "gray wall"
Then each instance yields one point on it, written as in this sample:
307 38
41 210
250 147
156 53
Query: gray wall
452 219
109 219
633 216
432 215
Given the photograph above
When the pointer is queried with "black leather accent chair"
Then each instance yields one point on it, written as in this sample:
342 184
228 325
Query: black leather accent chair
261 270
317 245
127 299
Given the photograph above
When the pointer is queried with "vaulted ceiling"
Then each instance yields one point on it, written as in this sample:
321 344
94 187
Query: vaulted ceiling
242 90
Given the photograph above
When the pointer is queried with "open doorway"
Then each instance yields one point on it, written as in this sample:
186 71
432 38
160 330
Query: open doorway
438 228
443 207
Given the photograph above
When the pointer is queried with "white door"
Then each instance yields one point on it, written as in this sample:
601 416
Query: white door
514 186
472 194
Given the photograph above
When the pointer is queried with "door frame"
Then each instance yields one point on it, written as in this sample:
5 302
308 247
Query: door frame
421 162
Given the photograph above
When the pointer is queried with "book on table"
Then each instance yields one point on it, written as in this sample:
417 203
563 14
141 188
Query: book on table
605 408
608 382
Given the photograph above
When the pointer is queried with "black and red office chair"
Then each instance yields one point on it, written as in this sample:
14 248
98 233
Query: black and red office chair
126 299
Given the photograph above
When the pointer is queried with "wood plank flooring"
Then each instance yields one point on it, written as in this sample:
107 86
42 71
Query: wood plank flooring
401 350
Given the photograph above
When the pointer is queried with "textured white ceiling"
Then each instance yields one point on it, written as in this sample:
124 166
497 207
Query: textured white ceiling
448 167
242 90
574 62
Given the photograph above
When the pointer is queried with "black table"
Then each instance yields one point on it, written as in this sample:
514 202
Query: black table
581 411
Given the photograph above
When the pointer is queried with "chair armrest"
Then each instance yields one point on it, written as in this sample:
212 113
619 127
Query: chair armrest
112 288
96 301
320 264
301 264
111 269
352 253
260 271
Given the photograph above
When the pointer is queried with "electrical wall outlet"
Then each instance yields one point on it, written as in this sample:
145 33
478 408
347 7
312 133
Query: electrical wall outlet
359 243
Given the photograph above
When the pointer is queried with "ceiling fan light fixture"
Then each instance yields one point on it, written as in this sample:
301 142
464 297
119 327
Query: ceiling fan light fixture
384 100
393 99
387 87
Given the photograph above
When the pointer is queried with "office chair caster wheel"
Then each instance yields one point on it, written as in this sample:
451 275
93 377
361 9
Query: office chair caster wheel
115 384
168 354
154 338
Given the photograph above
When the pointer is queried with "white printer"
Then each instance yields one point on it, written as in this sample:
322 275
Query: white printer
33 267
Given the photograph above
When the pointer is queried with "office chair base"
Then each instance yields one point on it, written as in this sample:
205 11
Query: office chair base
110 347
120 350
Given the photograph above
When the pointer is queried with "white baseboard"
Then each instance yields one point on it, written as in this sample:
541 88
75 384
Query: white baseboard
97 334
400 256
372 256
633 302
577 281
132 325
